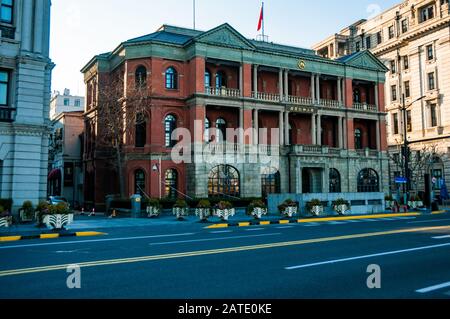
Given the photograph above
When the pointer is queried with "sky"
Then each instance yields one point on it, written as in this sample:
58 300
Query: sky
80 29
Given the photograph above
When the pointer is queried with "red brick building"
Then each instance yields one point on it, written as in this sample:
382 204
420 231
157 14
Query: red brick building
330 116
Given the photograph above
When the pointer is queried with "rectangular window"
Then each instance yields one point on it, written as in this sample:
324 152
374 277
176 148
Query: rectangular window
426 13
379 37
404 25
431 82
409 121
406 62
4 87
66 102
391 32
393 67
407 89
77 103
394 93
395 123
430 52
6 11
368 43
358 46
433 115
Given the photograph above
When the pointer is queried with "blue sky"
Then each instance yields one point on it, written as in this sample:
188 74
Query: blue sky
83 28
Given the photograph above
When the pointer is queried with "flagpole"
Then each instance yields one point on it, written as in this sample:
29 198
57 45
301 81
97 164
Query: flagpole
194 12
264 16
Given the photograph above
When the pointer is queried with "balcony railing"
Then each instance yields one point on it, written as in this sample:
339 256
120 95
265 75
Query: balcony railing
367 152
7 114
330 103
316 150
266 96
300 100
365 107
226 92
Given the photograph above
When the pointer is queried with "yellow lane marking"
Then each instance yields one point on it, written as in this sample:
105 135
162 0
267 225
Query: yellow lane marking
380 216
88 234
49 236
264 223
215 251
10 238
284 222
218 226
244 224
439 212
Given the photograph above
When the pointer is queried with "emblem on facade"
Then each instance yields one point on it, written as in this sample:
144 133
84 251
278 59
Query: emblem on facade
301 65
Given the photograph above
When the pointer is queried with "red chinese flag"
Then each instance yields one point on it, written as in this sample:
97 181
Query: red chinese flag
261 18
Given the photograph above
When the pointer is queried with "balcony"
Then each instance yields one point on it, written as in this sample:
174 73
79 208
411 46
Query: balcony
367 153
7 114
224 92
266 96
365 107
315 150
330 103
300 100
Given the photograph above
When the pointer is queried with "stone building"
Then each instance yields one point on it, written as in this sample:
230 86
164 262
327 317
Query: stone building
413 40
216 81
25 75
62 103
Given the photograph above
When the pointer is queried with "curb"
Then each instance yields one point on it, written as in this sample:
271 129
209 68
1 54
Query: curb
50 236
313 220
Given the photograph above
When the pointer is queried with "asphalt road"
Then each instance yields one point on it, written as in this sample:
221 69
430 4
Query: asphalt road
186 261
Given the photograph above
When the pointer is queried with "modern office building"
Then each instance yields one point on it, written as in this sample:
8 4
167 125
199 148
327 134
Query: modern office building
65 103
25 75
413 40
216 81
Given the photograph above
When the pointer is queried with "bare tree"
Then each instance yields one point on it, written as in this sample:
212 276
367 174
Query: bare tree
120 109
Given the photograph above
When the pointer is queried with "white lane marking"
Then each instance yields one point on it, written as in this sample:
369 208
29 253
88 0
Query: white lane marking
311 224
285 227
336 223
254 229
94 241
429 221
221 232
442 237
433 288
212 239
367 256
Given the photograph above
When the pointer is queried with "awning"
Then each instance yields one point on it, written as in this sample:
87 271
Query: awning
54 174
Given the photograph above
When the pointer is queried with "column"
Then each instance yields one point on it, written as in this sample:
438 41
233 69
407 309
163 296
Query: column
286 85
313 129
340 133
318 88
377 103
281 128
313 88
350 134
378 136
256 127
27 25
38 25
339 90
255 80
286 128
241 126
280 83
319 129
344 125
241 81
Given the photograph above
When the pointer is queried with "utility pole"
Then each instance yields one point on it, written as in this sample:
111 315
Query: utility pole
405 149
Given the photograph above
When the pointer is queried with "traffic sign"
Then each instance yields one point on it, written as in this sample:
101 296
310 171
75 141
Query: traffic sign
401 180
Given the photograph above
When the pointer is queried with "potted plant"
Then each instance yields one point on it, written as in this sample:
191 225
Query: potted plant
257 209
153 208
180 209
203 210
26 212
57 216
315 207
289 208
389 201
5 217
224 210
416 202
341 206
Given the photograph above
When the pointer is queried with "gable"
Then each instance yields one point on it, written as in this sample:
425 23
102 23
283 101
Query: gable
225 35
366 60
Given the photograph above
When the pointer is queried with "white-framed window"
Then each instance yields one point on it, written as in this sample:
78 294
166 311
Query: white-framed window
66 102
426 13
395 123
394 93
430 52
77 102
431 81
433 115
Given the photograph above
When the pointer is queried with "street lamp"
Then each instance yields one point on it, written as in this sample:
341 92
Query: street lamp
406 143
156 168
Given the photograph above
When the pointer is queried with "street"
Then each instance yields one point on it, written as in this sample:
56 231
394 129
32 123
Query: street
189 261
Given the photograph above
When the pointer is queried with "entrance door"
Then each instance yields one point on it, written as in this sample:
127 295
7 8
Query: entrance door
307 181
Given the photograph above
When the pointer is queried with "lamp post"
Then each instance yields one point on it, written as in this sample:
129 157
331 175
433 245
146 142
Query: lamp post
157 168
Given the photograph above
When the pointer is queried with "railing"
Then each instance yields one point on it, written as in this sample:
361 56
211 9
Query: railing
365 107
335 151
266 96
330 103
316 149
268 149
222 148
7 114
300 100
223 92
367 153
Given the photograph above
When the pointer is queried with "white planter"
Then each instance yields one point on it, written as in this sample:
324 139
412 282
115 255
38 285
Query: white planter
413 205
24 218
258 212
290 211
420 204
225 214
389 203
341 209
317 210
58 221
180 212
5 222
153 211
203 213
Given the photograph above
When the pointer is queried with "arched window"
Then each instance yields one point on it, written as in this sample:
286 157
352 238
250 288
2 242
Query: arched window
224 181
221 130
270 183
139 182
335 181
356 96
207 127
141 77
170 124
141 131
171 79
207 79
221 80
368 181
171 184
358 139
